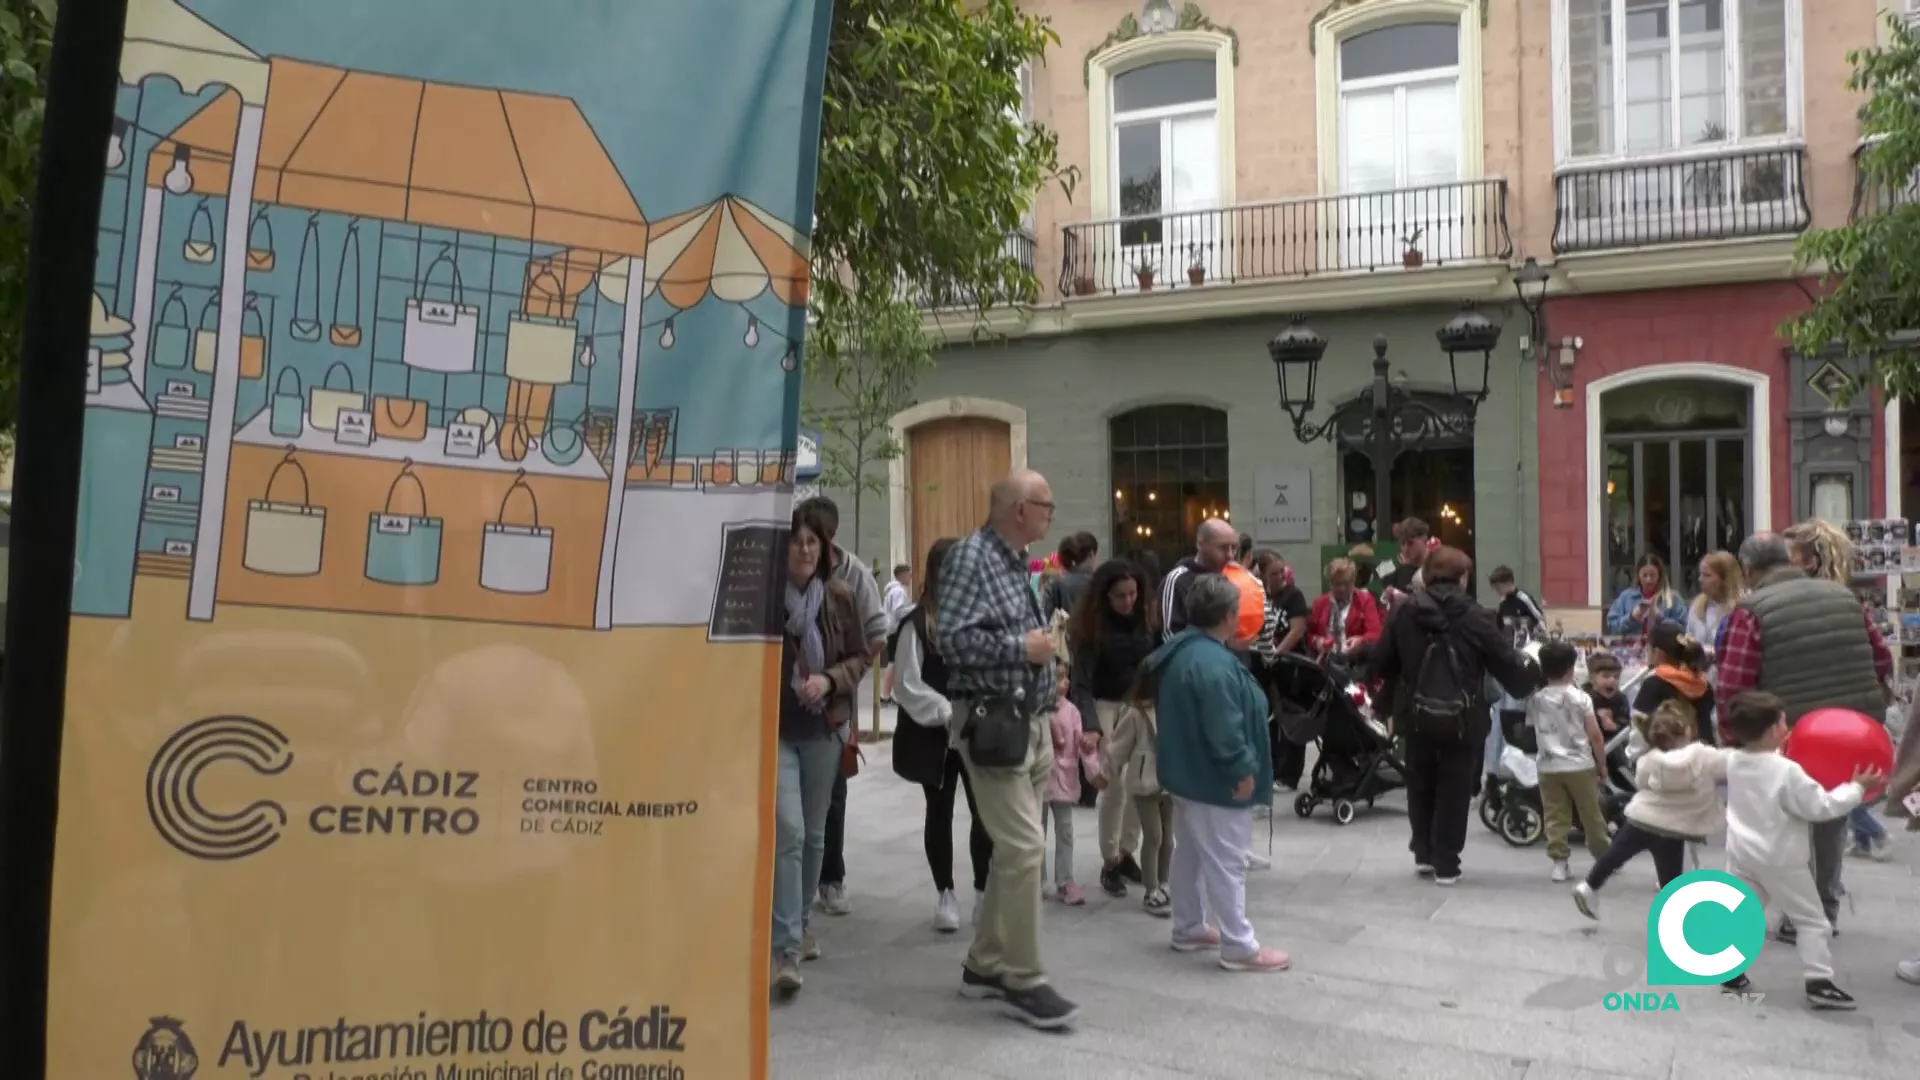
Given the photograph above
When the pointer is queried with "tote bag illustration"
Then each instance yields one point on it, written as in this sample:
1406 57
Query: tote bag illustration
253 340
326 401
284 411
540 348
260 242
305 324
172 336
200 247
441 334
206 339
516 558
403 549
285 538
345 331
404 419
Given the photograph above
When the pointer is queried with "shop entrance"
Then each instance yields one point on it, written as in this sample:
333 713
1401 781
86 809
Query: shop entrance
1678 476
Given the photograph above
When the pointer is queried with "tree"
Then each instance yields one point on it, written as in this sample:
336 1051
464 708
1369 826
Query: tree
879 350
1869 303
26 44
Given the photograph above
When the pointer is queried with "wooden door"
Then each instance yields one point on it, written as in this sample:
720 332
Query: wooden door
951 465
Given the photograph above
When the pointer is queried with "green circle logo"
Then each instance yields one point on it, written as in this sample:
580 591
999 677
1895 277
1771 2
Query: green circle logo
1705 928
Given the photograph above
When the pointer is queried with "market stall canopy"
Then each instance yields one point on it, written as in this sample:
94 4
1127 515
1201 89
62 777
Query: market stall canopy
731 248
164 38
495 162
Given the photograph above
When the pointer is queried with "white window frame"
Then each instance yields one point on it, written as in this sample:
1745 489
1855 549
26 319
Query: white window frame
1172 257
1734 90
1023 115
1368 246
1141 52
1401 82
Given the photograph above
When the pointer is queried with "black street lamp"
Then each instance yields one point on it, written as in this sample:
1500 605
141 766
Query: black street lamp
1399 420
1530 283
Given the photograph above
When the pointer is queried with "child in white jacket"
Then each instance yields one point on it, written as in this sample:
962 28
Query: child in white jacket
1770 802
1676 800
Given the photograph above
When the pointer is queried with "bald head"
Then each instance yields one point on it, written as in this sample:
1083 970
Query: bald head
1020 507
1215 544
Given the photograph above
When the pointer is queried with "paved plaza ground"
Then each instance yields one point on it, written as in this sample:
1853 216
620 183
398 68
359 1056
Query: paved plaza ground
1499 978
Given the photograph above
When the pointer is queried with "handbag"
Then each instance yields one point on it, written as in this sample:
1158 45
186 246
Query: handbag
326 401
540 348
260 251
346 332
206 342
172 341
284 411
441 335
403 549
998 730
253 340
197 250
516 558
305 324
401 419
850 755
285 539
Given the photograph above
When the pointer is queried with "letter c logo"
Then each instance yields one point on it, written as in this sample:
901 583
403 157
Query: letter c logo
1673 929
173 800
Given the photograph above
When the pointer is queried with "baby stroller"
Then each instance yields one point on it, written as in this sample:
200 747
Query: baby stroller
1357 761
1511 806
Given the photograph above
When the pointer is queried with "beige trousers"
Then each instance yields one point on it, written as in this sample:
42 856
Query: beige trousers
1119 819
1010 802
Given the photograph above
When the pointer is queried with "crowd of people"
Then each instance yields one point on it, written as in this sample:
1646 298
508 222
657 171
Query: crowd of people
1158 696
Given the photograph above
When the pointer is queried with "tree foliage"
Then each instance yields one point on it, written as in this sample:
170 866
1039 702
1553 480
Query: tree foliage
26 43
1870 269
869 349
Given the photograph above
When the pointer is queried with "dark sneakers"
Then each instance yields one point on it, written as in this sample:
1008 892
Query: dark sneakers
980 987
1736 985
1130 870
1040 1007
1111 881
1822 994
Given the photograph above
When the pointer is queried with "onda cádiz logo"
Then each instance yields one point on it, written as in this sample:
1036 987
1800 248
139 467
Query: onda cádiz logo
173 799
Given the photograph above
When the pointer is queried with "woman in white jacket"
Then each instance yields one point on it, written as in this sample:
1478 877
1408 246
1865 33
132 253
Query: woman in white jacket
1676 802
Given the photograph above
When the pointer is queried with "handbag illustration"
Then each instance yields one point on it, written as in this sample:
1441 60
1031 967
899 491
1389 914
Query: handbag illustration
403 549
402 419
253 340
200 247
345 331
326 402
516 558
540 348
285 539
206 339
172 341
260 242
305 324
284 411
441 334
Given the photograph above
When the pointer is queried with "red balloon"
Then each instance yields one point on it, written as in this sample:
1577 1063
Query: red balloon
1832 743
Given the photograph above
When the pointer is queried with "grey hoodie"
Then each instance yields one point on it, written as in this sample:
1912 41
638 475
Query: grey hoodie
866 592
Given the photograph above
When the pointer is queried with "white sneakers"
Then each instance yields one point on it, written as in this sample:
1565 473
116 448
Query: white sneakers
1561 872
946 915
833 900
1908 971
1586 900
1257 861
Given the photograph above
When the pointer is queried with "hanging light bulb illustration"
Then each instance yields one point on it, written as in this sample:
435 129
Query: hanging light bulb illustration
586 353
179 179
753 332
116 145
789 361
666 336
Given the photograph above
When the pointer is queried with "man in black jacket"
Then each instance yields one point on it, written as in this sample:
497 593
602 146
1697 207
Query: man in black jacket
1214 546
1444 765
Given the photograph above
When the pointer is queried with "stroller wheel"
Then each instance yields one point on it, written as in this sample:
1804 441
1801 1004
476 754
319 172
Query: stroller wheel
1303 806
1521 824
1343 811
1489 810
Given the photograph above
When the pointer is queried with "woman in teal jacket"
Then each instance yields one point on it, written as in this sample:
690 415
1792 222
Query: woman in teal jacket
1217 763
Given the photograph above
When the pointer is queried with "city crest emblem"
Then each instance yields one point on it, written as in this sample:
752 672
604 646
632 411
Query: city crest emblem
165 1052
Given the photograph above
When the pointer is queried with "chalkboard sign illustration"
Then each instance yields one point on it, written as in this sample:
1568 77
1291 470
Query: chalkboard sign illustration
747 606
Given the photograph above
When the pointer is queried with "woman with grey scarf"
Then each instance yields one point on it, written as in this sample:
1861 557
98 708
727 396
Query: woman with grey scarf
823 657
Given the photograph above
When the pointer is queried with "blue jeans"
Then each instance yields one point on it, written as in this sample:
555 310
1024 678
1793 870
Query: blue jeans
807 771
1867 829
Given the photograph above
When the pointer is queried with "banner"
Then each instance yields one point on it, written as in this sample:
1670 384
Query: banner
418 718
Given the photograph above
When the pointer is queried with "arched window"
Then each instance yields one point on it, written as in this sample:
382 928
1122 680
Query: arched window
1166 164
1169 475
1400 141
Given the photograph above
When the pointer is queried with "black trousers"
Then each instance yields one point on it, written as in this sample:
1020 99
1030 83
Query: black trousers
1669 854
939 829
833 871
1441 776
1289 758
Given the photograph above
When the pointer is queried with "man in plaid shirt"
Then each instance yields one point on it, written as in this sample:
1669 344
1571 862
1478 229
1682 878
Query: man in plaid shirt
995 643
1811 642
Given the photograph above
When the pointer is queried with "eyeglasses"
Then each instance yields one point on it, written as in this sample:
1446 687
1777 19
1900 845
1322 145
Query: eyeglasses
1047 506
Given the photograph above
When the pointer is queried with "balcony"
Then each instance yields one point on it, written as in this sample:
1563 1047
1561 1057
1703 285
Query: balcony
1019 245
1717 195
1293 239
1873 196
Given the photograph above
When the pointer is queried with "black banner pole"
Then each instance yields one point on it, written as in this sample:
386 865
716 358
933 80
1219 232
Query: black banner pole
82 81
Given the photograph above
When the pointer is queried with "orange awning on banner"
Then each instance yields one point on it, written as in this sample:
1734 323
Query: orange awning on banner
495 162
731 248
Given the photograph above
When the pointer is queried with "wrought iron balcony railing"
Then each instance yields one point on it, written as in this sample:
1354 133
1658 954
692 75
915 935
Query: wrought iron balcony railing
1874 196
1019 246
1405 228
1716 195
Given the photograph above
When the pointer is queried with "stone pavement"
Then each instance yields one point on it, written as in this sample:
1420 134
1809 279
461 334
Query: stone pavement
1499 978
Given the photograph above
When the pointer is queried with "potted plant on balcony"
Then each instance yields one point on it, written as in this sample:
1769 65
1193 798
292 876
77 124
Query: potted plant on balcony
1411 256
1196 266
1143 271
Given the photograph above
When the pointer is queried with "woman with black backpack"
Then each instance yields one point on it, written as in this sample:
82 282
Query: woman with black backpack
1438 648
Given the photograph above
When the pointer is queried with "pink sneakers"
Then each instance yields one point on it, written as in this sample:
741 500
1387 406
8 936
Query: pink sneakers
1264 960
1205 941
1071 895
